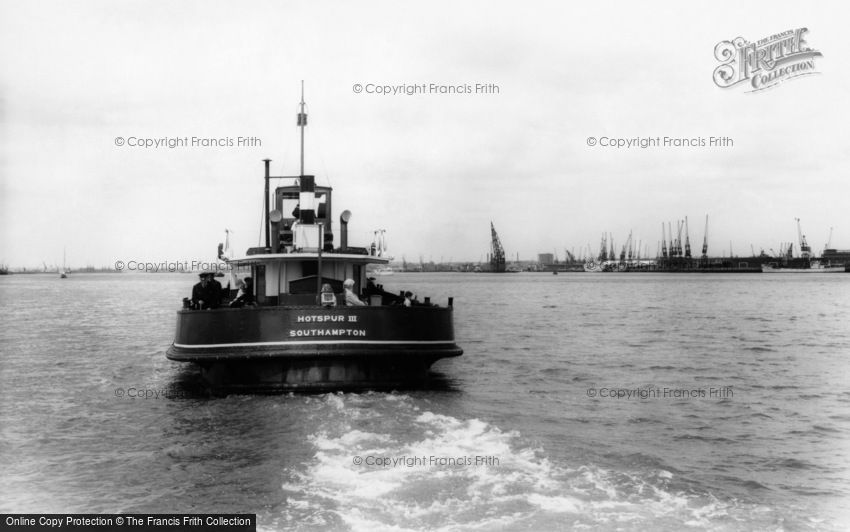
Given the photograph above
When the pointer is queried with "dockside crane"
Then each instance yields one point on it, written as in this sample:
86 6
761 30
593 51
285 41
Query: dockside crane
603 249
677 248
663 242
497 252
705 241
626 246
687 240
679 225
672 244
805 250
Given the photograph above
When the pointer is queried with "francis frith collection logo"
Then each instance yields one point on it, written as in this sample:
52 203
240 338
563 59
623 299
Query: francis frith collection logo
765 63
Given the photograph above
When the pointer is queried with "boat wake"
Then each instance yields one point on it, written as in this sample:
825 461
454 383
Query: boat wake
385 462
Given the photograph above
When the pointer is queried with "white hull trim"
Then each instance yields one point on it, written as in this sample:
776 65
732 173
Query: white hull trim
314 342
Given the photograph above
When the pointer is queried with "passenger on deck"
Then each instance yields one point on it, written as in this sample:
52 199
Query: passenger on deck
217 287
408 299
350 298
246 295
370 287
207 293
327 297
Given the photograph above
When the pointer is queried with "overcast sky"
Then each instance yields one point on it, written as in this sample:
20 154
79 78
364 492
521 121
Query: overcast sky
431 169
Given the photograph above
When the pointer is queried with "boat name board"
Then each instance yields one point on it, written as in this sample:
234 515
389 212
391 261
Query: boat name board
327 332
323 318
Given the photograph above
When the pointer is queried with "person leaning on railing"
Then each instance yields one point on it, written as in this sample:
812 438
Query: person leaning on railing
350 298
207 293
245 297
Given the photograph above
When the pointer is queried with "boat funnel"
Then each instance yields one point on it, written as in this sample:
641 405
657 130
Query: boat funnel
343 228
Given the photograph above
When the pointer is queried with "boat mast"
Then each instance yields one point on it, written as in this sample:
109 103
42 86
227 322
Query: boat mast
302 121
266 206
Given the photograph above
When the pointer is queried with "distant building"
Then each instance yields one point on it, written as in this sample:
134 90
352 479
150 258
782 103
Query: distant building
546 259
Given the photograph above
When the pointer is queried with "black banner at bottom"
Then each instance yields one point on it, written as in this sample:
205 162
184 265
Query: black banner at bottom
129 522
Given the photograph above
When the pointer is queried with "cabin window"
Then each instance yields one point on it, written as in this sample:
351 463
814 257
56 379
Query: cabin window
309 267
321 205
288 205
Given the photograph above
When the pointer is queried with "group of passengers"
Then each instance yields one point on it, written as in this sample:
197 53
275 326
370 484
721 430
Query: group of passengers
209 294
328 299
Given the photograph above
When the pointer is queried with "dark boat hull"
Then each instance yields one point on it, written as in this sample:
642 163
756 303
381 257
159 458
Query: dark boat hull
314 348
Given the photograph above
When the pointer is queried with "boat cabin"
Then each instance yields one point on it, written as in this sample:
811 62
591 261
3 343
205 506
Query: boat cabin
299 256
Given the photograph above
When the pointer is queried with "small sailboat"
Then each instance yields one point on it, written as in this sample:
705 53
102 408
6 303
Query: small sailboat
63 273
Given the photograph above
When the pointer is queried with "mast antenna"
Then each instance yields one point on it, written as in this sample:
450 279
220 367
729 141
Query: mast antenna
302 122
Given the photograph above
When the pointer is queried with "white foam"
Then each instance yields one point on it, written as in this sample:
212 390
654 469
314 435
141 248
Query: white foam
523 489
555 504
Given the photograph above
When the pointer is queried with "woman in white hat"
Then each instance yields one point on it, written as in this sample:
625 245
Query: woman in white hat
350 298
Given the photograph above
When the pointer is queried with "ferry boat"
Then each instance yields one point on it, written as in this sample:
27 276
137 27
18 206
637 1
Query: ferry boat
297 333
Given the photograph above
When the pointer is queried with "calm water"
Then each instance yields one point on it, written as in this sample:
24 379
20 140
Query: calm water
759 438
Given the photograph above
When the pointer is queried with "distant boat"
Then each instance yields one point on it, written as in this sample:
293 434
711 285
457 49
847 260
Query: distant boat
814 267
593 266
63 274
387 270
